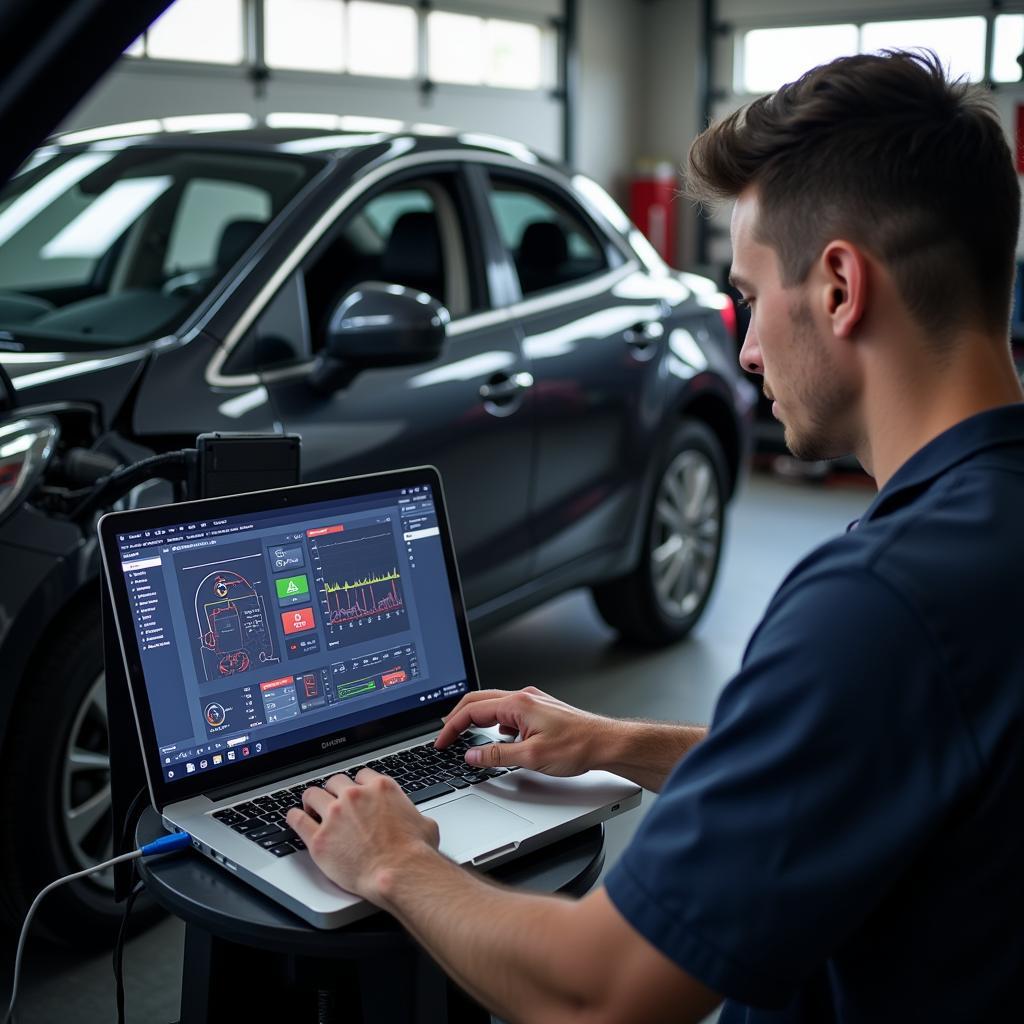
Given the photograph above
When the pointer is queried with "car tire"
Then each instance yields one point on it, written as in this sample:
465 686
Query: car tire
56 792
664 596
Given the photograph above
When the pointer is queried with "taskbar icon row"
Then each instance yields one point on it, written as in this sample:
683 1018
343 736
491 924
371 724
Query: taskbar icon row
191 762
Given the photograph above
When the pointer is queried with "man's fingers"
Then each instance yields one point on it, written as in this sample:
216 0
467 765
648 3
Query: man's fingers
317 801
336 783
481 712
448 733
472 698
496 755
302 824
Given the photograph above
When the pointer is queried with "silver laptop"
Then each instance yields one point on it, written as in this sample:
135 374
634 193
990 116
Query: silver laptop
272 639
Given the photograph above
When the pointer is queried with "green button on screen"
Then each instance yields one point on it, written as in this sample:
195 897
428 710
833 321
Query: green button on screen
292 587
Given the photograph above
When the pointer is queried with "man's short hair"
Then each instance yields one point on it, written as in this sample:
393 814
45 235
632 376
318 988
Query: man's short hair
886 152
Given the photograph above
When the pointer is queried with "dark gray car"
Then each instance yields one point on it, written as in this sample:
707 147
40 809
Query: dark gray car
582 400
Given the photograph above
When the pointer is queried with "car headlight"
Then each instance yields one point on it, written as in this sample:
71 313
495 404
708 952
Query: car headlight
26 446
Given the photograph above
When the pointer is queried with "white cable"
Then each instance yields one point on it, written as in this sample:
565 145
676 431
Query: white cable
9 1016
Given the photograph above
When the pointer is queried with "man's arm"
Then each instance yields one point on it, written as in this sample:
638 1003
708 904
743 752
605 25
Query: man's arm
646 752
526 957
558 739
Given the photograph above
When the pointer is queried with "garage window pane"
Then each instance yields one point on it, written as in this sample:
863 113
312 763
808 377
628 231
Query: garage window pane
771 57
382 39
513 54
200 30
307 35
456 48
958 42
1007 46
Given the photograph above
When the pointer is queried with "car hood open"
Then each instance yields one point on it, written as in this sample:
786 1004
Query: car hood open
52 52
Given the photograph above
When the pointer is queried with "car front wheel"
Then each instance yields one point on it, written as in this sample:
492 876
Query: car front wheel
56 790
664 596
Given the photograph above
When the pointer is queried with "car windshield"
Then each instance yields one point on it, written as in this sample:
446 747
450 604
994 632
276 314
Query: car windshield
105 248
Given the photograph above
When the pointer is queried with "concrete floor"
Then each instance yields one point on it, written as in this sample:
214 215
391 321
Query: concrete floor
564 648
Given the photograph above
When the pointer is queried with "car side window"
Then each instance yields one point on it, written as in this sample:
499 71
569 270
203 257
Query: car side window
212 221
280 336
549 242
410 233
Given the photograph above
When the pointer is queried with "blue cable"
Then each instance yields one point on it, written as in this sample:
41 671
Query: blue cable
165 844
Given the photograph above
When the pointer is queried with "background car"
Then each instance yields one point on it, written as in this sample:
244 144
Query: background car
583 402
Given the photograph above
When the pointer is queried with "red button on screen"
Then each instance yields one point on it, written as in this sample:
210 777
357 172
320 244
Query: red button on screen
296 622
322 531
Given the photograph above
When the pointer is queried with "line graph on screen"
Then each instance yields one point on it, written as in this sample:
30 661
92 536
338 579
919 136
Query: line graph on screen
359 581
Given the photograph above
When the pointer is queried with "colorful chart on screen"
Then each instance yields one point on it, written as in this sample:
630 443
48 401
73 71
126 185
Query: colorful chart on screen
358 582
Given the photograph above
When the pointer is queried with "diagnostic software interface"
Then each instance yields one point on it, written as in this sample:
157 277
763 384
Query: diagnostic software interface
262 630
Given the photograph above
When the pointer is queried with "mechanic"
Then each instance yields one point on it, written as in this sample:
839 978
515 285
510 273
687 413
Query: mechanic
845 842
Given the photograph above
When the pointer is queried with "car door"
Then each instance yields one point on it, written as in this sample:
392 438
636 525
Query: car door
591 325
468 412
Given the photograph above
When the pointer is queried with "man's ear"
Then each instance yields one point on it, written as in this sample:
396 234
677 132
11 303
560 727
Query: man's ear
845 282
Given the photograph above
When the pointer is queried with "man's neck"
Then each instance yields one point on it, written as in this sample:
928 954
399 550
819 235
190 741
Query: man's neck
911 401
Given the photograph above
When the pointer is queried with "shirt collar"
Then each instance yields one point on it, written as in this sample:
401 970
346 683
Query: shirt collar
989 429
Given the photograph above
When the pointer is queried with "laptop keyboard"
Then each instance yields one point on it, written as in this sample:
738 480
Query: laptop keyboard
423 773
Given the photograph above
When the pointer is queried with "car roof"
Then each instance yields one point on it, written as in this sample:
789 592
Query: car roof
324 137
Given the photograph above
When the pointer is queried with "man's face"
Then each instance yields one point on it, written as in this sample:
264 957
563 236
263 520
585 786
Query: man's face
789 345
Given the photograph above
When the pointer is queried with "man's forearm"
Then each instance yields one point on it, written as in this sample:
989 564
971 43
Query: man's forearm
516 953
645 752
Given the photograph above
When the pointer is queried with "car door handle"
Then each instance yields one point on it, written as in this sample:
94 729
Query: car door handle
508 387
643 334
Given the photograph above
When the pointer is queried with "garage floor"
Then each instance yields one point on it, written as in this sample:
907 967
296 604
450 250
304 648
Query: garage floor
565 649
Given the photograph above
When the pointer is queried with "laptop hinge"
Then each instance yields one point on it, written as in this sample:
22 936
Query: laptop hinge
311 764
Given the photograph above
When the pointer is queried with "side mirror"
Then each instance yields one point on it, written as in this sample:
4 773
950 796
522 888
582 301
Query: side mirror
379 324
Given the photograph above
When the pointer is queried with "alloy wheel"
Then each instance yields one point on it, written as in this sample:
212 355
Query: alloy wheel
685 533
86 815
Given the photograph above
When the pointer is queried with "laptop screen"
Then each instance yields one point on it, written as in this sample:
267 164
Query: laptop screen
260 631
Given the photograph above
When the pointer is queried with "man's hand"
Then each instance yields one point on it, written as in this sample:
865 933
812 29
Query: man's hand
557 739
554 737
358 831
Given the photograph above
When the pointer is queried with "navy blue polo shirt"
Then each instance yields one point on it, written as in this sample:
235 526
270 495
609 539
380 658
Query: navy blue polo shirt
847 844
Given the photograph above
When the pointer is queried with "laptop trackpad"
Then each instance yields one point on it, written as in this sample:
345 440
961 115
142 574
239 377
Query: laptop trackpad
473 826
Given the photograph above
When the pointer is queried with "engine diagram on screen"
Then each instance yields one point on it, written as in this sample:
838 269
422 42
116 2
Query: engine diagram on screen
229 608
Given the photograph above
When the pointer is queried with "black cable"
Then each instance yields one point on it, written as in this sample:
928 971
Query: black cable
118 956
129 815
135 886
123 480
125 841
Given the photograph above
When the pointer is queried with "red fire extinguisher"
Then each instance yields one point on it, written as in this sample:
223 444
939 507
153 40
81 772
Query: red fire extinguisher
651 195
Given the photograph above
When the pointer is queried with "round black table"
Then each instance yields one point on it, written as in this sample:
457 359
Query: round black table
248 958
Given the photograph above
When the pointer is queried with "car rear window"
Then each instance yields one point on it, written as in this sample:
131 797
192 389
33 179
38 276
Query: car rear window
550 243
